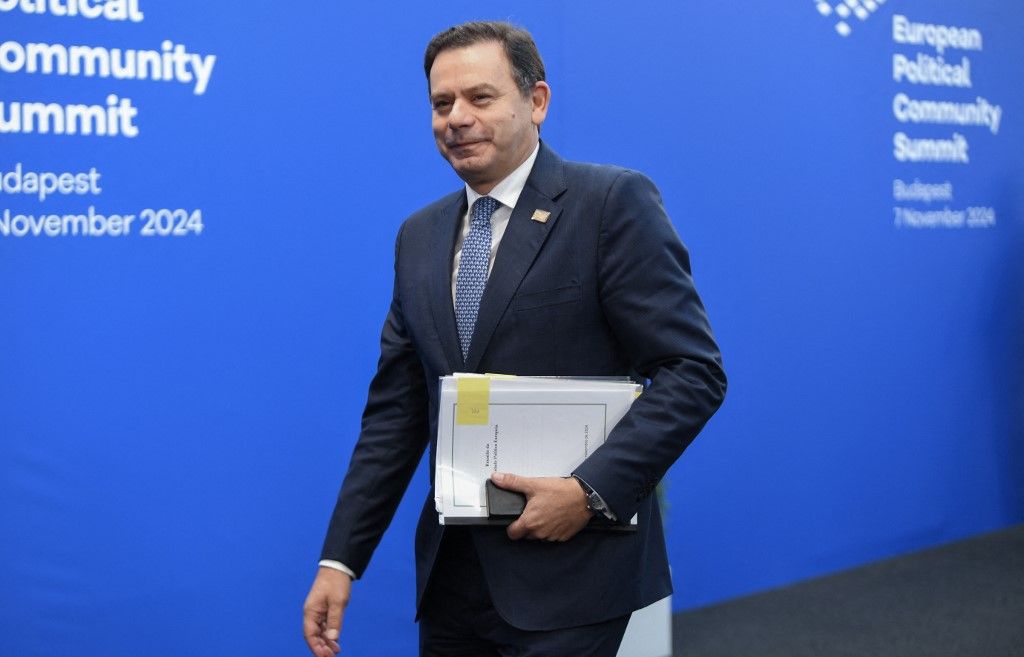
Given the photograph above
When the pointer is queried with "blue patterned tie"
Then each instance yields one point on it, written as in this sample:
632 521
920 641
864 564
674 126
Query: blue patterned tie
472 276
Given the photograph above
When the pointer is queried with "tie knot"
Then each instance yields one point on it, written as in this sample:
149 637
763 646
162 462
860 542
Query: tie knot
483 208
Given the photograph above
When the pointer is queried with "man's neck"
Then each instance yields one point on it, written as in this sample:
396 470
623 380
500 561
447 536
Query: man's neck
483 189
507 190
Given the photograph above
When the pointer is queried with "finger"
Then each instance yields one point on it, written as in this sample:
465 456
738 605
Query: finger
334 616
314 624
311 631
517 530
514 482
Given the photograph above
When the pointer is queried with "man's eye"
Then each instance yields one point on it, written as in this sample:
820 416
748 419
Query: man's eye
481 98
440 105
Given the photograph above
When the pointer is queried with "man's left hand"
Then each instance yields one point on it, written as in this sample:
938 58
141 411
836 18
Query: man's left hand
556 507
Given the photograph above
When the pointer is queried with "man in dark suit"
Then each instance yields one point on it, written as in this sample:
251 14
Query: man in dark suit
538 266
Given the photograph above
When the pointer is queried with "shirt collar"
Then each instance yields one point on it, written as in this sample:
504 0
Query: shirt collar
508 190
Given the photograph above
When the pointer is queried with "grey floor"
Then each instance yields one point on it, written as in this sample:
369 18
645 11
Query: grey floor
964 600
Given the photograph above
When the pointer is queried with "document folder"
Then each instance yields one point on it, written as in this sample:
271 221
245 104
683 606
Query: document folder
529 426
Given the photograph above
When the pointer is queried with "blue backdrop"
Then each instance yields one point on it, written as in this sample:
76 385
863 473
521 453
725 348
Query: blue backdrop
177 410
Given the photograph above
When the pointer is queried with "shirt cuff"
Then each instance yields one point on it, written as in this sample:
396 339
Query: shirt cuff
337 565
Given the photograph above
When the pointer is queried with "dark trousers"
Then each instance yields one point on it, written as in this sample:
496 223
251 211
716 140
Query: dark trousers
459 620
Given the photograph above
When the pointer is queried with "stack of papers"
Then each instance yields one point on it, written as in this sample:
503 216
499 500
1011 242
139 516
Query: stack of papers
530 426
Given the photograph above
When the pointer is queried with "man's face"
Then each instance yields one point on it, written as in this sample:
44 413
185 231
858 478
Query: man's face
483 124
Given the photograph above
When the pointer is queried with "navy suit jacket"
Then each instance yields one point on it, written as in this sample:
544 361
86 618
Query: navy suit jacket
602 288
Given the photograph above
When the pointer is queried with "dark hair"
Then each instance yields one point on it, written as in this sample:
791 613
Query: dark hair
527 67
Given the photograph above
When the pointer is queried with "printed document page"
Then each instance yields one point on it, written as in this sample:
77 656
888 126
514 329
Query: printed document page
535 427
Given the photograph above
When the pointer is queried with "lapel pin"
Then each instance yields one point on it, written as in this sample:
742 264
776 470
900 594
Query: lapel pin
541 216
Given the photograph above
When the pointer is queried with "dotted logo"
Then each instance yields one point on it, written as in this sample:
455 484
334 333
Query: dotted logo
846 10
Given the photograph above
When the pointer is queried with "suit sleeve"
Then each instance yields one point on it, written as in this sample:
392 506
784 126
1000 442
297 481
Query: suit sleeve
393 435
649 299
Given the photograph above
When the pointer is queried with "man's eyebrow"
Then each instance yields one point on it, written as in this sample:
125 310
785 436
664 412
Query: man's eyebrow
484 86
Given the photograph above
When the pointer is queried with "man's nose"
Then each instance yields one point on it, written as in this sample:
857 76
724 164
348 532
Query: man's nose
461 115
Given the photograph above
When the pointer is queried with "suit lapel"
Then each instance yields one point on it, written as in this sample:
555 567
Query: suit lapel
441 254
519 247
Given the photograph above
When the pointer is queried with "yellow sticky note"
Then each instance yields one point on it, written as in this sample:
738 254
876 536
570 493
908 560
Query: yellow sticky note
473 402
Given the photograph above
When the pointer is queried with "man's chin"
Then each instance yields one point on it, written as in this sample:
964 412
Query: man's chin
468 168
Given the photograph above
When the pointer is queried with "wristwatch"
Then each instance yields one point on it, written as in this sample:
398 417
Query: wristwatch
595 504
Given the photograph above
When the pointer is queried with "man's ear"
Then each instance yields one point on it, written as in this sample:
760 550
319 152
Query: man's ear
541 98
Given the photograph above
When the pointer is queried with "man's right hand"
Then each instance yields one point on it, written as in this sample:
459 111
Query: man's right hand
323 611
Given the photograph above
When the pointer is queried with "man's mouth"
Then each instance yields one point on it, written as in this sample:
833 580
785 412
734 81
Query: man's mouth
465 143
